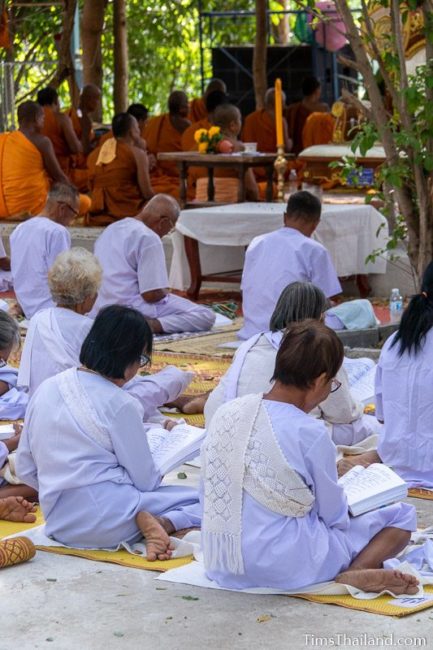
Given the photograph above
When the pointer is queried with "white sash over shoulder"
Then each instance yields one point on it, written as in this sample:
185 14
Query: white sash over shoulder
81 408
241 452
233 373
45 323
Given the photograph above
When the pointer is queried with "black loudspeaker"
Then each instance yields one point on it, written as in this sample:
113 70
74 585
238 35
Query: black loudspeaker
290 63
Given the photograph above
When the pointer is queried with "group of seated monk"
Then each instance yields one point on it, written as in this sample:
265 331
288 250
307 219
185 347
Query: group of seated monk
119 172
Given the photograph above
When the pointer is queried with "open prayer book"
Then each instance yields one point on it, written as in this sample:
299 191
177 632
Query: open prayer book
361 374
172 448
6 431
369 488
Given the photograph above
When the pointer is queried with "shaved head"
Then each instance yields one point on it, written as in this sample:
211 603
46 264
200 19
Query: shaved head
215 84
178 102
63 192
90 98
225 114
270 98
28 113
160 214
163 204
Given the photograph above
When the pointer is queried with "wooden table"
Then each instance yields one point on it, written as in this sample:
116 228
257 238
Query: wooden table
240 162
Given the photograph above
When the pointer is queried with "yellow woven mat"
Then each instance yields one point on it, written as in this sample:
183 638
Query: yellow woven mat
208 371
206 344
382 605
114 557
420 493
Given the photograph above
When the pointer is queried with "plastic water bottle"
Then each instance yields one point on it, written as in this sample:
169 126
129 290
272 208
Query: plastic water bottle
395 306
293 181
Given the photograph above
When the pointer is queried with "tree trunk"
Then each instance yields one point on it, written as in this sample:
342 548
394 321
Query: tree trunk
120 94
92 23
65 65
260 54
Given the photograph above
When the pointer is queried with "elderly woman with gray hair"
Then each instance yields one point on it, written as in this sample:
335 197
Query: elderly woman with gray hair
253 367
13 402
56 334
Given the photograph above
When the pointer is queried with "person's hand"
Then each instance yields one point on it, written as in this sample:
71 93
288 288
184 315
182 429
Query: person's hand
169 424
18 427
12 443
152 161
346 464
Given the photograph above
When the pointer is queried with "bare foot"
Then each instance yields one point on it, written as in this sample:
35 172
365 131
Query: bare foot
17 509
158 545
377 580
190 404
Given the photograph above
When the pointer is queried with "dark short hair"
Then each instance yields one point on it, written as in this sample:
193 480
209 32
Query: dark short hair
118 337
139 111
308 350
304 206
309 85
121 124
47 96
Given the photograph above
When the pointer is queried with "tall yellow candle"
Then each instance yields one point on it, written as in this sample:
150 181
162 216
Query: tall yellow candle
279 113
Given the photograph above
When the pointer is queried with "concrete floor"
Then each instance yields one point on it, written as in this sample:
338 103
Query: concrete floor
66 603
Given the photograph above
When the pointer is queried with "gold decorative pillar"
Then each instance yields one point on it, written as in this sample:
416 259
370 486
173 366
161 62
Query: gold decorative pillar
280 165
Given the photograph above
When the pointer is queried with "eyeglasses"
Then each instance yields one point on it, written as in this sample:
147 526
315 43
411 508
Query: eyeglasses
172 224
335 385
144 360
76 212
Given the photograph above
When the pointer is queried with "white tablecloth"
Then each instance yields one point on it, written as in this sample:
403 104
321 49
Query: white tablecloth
349 232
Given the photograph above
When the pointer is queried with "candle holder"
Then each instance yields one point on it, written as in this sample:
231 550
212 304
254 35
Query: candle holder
280 165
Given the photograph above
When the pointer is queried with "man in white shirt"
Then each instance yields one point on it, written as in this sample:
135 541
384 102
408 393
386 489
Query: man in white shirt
132 257
35 245
274 260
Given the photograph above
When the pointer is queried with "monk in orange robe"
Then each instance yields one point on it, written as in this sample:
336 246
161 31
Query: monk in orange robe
213 99
119 172
141 114
197 107
28 166
296 114
228 118
260 127
318 129
90 99
164 133
58 128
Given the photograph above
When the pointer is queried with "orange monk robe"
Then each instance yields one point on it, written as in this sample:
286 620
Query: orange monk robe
79 173
197 110
318 129
187 141
260 127
161 136
53 131
24 183
115 189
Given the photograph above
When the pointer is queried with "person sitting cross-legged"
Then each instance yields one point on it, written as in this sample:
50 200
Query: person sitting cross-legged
119 171
55 336
35 245
285 255
274 514
254 362
134 271
100 487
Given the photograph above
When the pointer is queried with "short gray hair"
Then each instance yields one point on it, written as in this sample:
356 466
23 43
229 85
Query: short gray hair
9 331
298 301
75 275
63 192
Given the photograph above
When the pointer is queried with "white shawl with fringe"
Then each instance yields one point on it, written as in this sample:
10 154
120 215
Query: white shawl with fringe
241 452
